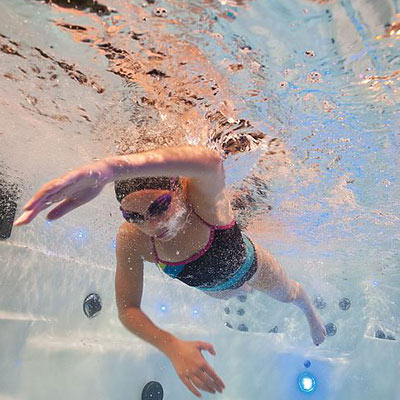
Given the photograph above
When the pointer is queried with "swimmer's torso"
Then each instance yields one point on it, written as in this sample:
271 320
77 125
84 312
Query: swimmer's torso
209 249
212 255
192 238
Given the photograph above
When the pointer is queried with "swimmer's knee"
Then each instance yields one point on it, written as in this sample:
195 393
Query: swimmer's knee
294 290
287 298
289 295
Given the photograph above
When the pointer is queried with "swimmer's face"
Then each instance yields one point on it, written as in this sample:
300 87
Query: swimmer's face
170 216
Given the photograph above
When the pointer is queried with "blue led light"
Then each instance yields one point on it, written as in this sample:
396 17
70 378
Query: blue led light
195 311
81 234
375 283
163 308
306 382
48 223
114 244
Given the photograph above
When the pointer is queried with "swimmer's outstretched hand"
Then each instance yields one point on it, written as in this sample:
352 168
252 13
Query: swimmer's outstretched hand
72 189
193 369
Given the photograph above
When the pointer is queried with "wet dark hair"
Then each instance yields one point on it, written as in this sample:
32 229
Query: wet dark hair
127 186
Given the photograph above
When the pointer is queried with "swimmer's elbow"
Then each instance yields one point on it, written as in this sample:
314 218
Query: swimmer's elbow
127 314
198 158
196 162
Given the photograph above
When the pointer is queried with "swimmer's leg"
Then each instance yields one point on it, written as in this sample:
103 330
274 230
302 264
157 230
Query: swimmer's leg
272 279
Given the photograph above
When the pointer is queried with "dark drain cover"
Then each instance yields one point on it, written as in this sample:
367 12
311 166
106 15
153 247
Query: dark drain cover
153 391
8 207
92 305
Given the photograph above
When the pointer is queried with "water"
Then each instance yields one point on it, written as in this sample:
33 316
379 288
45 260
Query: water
308 92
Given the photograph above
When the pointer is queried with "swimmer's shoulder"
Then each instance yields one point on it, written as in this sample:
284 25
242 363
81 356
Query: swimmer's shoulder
215 209
134 240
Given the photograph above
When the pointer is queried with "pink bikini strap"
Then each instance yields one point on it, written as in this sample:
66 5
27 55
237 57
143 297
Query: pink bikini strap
154 250
199 253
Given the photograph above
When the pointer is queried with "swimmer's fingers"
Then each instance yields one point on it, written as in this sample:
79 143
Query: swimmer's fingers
87 179
218 383
70 204
201 382
190 386
28 216
38 203
206 346
50 192
64 208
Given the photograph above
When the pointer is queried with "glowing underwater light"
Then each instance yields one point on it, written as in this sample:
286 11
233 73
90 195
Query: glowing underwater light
306 382
81 234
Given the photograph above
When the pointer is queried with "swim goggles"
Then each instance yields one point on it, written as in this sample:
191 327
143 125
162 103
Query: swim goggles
156 208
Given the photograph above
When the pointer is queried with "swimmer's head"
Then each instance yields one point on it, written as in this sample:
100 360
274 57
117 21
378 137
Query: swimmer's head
154 205
127 186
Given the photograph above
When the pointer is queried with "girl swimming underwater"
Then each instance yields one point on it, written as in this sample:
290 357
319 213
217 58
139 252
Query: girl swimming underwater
184 223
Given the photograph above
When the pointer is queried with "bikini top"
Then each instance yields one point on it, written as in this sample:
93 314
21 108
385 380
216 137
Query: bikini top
221 257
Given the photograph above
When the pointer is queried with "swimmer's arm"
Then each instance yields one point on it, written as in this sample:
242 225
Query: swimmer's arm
137 322
202 165
186 356
128 291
